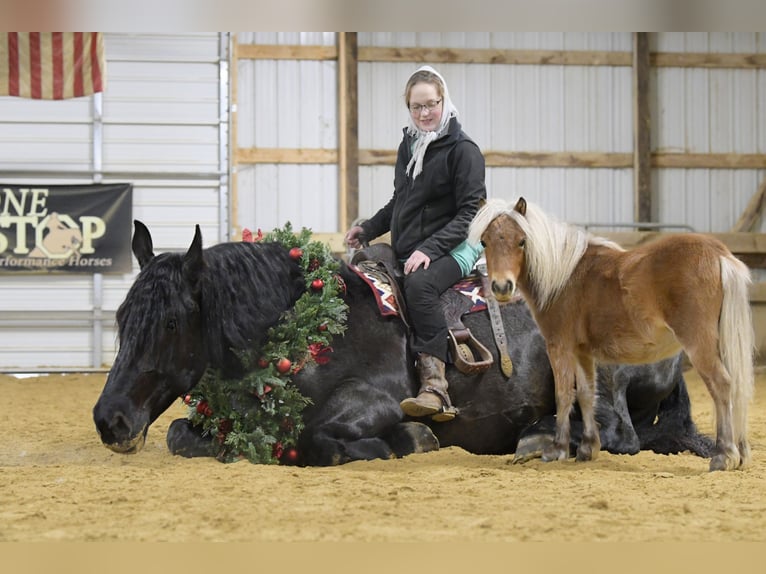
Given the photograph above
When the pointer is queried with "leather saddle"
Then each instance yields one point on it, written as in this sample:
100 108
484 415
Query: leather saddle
468 354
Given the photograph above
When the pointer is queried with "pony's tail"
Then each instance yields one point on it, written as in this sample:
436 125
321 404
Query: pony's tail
737 345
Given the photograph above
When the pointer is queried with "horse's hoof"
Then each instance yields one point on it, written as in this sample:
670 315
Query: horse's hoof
531 447
554 453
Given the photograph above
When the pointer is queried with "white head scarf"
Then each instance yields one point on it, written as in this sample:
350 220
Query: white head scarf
423 138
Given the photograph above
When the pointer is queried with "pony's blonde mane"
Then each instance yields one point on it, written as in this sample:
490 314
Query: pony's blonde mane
553 248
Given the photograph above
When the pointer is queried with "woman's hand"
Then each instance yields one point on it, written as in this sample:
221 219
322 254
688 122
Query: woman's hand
415 260
354 237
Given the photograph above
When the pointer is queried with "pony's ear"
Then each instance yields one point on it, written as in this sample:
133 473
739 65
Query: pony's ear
142 245
482 202
193 262
521 206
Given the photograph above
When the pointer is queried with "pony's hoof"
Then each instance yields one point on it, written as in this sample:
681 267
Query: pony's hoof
531 447
724 462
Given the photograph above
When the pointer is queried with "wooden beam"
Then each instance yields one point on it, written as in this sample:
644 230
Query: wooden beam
699 60
348 129
287 52
710 160
286 155
642 168
489 56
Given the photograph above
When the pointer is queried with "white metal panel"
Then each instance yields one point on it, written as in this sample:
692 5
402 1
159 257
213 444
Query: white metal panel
707 111
287 104
161 121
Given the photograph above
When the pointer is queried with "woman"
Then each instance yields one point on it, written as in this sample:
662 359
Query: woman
438 184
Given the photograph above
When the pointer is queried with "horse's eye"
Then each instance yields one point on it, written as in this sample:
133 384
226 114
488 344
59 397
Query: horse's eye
483 244
522 243
171 325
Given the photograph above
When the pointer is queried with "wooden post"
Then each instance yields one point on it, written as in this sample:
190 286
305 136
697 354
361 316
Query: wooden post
642 169
348 130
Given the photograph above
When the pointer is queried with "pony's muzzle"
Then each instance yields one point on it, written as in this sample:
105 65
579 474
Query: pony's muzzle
503 290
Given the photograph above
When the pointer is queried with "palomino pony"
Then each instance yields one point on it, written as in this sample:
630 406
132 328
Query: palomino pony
595 301
192 310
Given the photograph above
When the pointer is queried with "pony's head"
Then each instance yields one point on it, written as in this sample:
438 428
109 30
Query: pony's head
162 354
502 231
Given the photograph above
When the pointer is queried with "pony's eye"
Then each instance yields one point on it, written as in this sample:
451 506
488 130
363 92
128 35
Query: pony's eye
483 244
523 242
171 325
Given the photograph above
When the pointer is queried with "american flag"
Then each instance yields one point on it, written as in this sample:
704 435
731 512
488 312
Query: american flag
51 65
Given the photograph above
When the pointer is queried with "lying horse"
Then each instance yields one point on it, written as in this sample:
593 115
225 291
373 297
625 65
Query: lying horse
185 312
595 301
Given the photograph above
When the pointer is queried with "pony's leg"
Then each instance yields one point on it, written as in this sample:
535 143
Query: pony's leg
718 384
590 444
563 366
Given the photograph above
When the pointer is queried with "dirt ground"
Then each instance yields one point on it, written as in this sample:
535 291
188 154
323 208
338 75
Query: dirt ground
58 483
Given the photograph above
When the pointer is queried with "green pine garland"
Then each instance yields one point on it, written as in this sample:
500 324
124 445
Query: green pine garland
258 417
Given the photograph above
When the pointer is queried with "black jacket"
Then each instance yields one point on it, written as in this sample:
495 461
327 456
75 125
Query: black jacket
433 212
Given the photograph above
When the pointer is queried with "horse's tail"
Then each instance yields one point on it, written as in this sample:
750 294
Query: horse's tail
736 345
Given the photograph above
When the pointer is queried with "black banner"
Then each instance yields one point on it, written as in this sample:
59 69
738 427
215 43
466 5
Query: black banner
66 228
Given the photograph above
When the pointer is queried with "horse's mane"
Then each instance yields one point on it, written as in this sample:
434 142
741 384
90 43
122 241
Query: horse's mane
553 247
243 289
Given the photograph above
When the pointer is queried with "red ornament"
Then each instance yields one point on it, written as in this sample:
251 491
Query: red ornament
276 450
291 455
187 399
296 253
263 363
283 365
322 327
317 284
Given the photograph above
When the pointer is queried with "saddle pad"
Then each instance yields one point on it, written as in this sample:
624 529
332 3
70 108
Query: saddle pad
469 286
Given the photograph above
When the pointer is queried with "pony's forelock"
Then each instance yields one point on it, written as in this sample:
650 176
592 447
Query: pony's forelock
484 216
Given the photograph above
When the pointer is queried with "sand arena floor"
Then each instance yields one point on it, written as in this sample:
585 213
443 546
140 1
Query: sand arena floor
60 483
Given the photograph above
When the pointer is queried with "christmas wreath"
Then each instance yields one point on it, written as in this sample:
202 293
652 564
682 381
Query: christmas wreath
258 417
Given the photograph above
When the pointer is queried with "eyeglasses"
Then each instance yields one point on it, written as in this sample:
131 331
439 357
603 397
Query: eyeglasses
415 109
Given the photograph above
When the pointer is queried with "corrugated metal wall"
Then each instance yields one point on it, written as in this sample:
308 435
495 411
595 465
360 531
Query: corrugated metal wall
288 104
707 111
161 124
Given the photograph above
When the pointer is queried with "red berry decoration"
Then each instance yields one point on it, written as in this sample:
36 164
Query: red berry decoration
322 327
283 365
187 399
313 264
296 253
204 409
263 363
317 284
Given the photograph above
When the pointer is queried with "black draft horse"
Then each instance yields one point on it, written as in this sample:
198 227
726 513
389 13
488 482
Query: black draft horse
186 311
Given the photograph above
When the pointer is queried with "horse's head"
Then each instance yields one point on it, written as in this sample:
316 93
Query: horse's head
161 354
504 241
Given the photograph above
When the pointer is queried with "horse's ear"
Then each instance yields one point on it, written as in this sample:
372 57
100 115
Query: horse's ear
482 202
142 245
193 262
521 206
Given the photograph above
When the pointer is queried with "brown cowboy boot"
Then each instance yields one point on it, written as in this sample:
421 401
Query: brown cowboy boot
432 398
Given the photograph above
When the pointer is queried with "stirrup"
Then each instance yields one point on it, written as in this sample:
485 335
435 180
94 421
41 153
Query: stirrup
447 412
468 354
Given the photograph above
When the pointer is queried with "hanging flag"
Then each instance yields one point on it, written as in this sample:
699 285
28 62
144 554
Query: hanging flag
51 65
